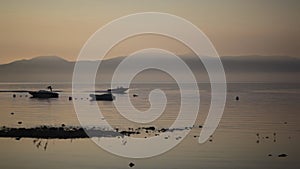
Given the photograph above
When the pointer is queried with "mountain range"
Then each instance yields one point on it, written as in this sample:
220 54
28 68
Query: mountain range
237 69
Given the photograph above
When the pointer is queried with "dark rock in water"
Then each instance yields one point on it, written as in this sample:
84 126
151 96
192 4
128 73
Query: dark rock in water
135 95
267 137
128 133
131 164
70 98
200 126
63 125
149 128
282 155
163 130
18 138
270 155
12 113
19 122
14 95
285 122
237 98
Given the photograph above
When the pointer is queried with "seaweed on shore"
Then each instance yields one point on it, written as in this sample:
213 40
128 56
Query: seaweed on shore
48 132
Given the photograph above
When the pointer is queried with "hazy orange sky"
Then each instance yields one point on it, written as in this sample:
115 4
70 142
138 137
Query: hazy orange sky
61 27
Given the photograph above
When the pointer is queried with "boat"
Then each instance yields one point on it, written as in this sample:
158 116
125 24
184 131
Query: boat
118 90
102 97
44 93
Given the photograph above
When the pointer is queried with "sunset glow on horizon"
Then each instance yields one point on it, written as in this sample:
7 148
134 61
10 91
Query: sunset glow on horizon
40 28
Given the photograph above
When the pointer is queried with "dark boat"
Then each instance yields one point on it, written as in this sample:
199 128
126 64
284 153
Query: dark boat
102 97
43 94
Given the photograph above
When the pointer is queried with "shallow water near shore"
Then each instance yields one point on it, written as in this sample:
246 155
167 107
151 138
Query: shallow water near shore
252 133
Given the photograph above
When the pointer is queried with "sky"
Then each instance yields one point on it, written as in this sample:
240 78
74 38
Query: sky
61 27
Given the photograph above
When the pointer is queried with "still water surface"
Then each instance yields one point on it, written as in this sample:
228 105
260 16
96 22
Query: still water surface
263 109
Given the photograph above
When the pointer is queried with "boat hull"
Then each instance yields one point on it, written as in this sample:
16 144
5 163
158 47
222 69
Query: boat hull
102 97
44 95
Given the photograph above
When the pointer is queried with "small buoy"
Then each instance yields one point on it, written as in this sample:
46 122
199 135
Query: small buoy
70 98
237 98
131 164
14 96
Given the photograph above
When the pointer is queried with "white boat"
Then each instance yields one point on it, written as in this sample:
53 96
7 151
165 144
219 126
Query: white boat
118 90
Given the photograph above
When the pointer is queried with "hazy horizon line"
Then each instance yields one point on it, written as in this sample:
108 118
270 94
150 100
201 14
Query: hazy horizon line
184 55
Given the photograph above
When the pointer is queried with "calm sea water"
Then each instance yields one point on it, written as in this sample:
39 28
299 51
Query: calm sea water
263 109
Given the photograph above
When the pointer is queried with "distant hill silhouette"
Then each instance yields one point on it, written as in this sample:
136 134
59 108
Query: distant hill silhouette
56 69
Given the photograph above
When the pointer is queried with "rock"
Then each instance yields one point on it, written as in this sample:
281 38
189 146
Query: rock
270 155
149 128
14 96
282 155
70 98
237 98
200 126
19 122
12 113
131 164
135 95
